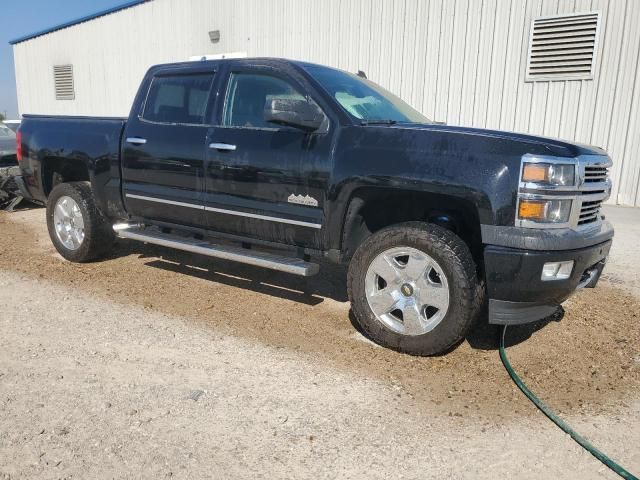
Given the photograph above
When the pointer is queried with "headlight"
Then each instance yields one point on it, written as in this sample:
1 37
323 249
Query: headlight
544 211
549 173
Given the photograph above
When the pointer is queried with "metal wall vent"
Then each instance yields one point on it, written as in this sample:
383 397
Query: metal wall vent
63 81
563 47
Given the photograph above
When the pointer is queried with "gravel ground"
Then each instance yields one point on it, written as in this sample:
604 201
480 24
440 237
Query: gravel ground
153 363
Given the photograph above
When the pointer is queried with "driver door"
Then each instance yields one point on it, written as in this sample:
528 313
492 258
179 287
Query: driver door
263 180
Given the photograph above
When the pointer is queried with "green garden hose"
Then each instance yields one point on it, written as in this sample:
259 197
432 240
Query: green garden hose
557 420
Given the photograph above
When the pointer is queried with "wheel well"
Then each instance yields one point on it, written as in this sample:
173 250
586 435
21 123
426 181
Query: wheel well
62 170
371 210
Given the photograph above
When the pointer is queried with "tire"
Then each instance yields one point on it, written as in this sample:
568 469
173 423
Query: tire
98 233
453 260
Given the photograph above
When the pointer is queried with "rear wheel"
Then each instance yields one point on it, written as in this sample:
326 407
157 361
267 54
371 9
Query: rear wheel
78 229
413 287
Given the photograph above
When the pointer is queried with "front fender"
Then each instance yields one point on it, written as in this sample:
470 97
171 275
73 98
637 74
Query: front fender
477 170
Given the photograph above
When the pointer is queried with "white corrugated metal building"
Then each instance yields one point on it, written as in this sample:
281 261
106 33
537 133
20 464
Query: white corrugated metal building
523 65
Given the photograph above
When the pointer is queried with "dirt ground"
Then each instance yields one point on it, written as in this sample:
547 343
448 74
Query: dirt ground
157 363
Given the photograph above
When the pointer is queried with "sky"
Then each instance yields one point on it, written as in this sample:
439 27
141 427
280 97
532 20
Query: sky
22 17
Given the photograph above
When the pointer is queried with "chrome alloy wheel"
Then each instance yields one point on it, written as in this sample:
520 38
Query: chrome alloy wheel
68 222
407 290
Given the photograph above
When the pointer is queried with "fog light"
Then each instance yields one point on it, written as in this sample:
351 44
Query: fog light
556 270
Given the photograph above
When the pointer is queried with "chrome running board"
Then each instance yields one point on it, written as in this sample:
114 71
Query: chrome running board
272 261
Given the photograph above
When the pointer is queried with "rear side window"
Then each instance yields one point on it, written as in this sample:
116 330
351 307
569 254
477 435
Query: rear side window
246 97
178 99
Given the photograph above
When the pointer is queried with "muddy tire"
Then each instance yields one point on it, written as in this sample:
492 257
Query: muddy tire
413 287
78 229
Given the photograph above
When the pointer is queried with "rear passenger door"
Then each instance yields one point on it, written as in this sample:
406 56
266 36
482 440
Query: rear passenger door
163 149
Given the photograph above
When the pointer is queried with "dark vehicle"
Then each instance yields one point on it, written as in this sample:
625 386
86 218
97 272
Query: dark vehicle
234 158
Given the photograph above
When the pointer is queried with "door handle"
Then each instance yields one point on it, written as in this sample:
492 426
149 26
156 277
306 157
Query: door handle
222 146
136 140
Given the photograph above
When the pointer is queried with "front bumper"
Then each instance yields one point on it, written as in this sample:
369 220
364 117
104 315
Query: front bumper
516 292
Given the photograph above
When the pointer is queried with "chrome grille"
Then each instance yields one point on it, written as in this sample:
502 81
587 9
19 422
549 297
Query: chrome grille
589 212
595 173
595 190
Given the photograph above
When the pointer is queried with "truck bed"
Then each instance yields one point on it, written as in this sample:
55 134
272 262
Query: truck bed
93 142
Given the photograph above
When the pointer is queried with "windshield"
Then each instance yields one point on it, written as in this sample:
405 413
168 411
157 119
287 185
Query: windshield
363 99
6 132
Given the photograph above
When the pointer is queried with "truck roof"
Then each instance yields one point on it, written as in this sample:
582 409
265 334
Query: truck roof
262 61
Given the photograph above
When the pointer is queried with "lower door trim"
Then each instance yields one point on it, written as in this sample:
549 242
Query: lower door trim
225 211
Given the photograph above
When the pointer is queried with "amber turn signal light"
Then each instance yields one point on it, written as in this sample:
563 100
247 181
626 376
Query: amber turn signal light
532 210
545 211
535 172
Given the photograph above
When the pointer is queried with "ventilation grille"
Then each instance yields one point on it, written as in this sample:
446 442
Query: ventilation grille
63 81
595 173
596 176
563 47
589 212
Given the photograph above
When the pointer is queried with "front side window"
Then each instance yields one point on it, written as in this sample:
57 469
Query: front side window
178 99
363 99
247 95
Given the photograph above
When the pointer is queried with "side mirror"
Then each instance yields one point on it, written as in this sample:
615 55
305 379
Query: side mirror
292 112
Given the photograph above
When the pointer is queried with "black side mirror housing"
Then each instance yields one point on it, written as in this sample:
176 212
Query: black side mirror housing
293 112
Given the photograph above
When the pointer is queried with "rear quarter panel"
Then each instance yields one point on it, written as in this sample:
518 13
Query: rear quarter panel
93 141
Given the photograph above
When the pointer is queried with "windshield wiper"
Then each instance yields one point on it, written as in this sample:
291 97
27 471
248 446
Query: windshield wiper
378 122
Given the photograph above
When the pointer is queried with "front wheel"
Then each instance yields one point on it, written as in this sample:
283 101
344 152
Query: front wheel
78 229
413 287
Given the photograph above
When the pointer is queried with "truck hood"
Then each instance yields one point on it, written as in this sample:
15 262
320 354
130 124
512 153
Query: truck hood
555 146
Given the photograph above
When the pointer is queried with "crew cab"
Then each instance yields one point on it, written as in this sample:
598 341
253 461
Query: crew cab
286 165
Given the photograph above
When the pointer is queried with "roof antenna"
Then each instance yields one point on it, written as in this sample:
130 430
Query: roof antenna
361 74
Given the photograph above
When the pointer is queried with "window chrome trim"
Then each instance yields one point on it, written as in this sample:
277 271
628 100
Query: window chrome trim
175 124
225 211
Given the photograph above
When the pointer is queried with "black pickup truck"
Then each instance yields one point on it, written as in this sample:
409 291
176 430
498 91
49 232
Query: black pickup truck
280 164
